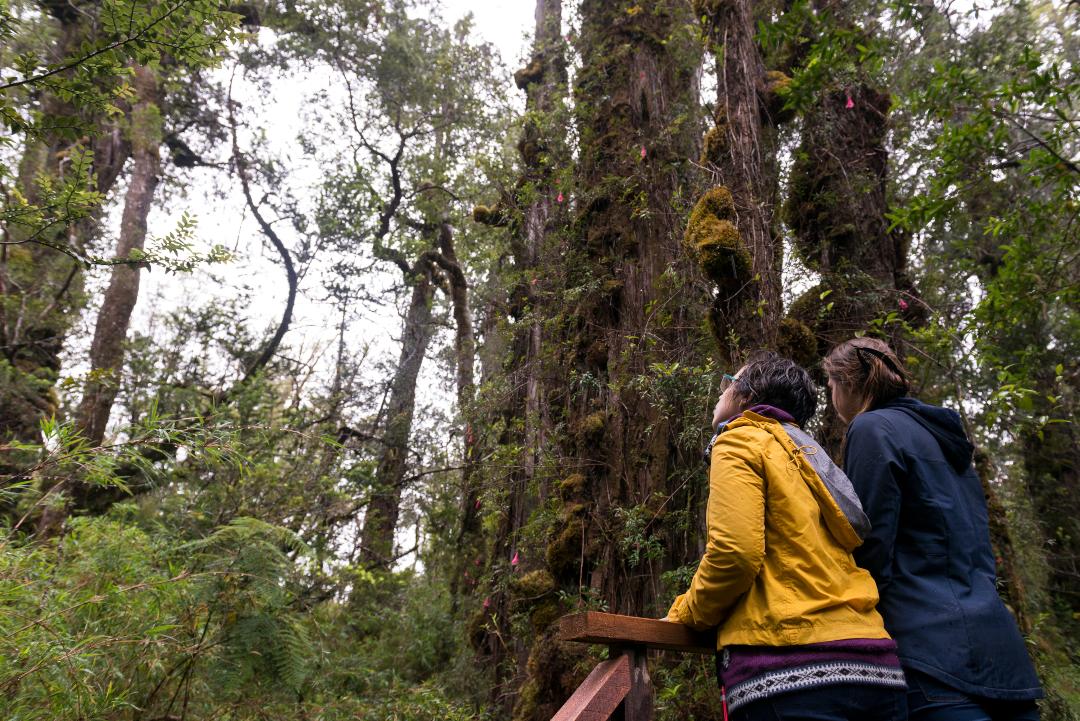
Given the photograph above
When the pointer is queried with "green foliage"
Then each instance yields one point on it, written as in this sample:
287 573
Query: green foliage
67 80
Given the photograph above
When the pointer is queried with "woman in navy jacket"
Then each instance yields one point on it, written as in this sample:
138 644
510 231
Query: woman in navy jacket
929 549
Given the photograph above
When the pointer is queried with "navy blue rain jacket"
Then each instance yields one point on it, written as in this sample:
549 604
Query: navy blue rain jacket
930 553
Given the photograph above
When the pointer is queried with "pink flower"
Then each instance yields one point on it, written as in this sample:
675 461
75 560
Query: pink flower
515 560
850 103
903 304
642 75
560 198
533 281
478 504
642 151
487 602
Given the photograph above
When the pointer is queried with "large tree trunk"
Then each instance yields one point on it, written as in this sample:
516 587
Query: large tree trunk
381 515
836 209
521 413
620 306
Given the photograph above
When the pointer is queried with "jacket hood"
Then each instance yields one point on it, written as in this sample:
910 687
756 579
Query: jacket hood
831 489
944 425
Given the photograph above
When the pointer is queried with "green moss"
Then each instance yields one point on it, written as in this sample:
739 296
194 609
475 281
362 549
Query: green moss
720 252
533 586
529 74
716 202
776 90
563 553
494 215
545 614
526 703
572 485
593 424
714 144
797 342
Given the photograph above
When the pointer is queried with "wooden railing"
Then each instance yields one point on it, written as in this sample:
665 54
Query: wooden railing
622 683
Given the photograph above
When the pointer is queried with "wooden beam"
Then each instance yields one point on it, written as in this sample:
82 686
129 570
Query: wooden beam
600 694
612 629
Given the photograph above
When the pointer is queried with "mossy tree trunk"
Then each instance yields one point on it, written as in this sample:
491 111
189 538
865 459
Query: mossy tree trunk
535 215
742 258
836 209
621 311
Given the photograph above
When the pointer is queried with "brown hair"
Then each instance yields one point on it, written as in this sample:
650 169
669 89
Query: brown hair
869 369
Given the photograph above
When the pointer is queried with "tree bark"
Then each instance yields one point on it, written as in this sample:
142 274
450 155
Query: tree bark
520 409
617 299
107 348
836 209
41 286
381 515
741 149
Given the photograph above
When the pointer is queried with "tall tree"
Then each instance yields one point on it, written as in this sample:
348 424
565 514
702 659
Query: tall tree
620 313
837 205
533 214
114 316
733 234
71 106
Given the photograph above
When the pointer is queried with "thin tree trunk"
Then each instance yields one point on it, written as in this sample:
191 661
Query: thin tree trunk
381 515
742 149
110 333
42 286
107 349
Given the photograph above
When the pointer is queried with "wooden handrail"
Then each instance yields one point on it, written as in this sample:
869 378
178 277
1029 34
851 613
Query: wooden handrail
622 682
612 629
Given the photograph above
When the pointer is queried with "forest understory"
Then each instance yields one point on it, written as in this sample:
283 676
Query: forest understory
433 334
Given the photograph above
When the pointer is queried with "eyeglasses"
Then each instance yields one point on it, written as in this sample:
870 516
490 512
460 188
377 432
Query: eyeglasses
727 380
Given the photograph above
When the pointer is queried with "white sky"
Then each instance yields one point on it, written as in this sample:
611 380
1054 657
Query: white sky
225 220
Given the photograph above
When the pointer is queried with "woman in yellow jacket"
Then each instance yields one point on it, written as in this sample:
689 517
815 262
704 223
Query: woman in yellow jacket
798 635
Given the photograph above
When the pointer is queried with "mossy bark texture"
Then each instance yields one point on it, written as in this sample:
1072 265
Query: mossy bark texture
740 149
609 309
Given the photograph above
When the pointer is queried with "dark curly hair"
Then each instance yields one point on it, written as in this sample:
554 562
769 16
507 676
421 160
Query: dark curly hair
771 379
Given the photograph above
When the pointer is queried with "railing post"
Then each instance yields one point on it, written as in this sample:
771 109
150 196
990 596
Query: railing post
640 700
620 688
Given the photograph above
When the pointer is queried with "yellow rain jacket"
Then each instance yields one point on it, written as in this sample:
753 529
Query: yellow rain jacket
777 569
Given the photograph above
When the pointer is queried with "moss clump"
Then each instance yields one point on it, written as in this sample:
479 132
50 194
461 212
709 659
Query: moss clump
797 342
545 614
592 425
526 704
531 73
493 215
720 252
776 91
714 144
716 202
563 553
533 586
572 485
